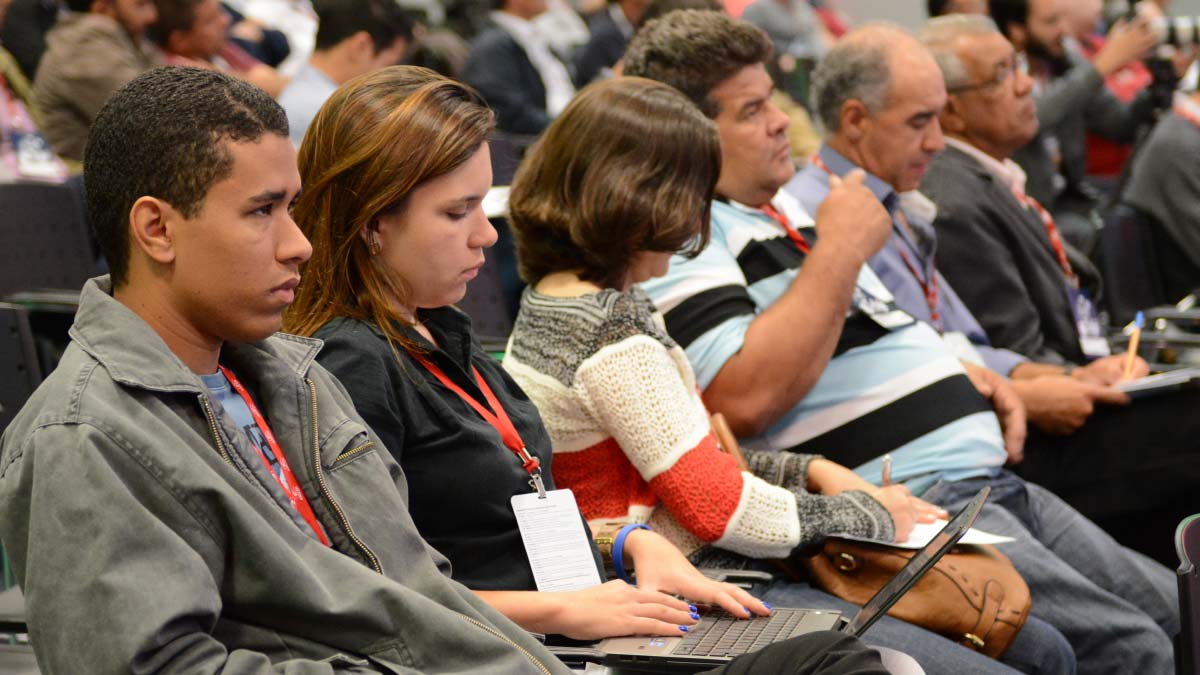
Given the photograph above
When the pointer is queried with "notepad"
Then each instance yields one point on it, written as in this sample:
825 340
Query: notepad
1160 383
922 533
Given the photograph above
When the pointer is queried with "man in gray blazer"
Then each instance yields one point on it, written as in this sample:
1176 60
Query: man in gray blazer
1028 290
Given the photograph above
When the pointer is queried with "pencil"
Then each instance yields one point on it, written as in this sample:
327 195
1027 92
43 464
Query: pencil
1133 345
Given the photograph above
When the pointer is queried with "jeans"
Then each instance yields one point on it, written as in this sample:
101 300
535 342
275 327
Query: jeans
1117 608
1038 648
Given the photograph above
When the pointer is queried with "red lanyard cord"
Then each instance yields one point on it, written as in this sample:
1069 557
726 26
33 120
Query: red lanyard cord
498 419
287 481
792 234
1060 252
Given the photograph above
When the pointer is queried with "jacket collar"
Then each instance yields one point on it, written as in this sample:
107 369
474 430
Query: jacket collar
134 355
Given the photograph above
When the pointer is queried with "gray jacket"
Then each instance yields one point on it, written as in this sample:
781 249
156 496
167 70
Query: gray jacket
144 543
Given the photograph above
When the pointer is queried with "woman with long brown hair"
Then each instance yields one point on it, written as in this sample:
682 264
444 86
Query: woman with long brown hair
395 167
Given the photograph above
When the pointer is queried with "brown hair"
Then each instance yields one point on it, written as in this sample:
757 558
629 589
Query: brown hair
629 166
378 138
694 51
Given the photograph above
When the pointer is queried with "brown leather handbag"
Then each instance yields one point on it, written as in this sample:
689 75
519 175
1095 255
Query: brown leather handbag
973 595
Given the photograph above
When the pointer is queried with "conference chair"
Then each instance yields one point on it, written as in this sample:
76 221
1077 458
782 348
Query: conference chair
43 238
20 372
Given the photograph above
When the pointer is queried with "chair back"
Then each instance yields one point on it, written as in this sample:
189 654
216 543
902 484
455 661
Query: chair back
1187 545
43 238
20 373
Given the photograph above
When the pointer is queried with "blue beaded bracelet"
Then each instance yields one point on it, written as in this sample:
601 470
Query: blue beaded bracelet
618 549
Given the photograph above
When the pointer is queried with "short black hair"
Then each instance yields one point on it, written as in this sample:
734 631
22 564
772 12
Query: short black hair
1005 12
173 15
162 135
384 20
936 7
694 51
81 6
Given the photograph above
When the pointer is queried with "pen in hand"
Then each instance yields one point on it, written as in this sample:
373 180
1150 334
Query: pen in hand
1134 337
887 470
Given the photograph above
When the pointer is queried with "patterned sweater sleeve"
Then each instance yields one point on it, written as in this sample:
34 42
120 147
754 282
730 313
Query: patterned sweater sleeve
642 393
851 512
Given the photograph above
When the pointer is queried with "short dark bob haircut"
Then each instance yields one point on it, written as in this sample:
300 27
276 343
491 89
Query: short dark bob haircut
629 166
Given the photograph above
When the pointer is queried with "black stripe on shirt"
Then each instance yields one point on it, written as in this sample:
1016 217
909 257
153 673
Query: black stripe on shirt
765 258
704 311
898 423
859 330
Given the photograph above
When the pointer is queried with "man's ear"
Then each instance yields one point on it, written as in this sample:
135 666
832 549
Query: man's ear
151 229
362 47
853 120
952 117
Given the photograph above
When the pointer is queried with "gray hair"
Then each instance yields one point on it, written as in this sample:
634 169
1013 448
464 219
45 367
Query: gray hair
939 36
858 67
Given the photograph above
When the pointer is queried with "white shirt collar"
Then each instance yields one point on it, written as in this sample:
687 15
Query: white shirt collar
1007 172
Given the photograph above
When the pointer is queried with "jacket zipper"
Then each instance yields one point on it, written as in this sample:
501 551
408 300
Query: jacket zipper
337 509
354 451
533 659
212 426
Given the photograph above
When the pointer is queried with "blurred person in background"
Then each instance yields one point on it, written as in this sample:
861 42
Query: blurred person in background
196 33
94 49
1072 100
354 37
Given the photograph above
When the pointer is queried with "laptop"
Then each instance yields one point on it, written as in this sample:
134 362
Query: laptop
720 636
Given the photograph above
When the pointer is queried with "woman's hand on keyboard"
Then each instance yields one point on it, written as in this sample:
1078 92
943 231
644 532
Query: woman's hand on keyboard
660 566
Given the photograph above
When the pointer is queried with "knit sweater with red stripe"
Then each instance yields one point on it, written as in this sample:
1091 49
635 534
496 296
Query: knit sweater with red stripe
631 436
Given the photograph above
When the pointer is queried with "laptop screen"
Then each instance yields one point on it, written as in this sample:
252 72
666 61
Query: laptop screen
917 566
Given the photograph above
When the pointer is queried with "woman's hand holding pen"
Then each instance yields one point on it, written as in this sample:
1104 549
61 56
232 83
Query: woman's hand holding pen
830 478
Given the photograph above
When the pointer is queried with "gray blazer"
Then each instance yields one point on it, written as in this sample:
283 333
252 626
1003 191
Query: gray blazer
997 256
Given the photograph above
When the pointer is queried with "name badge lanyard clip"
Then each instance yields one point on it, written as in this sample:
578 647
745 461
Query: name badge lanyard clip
498 419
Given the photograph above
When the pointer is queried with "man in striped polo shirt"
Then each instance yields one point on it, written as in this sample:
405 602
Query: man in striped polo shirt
801 346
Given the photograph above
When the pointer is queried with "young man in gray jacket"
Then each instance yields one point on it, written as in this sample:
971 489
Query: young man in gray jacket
189 493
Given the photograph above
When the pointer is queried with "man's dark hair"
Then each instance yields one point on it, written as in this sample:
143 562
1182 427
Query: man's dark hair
694 51
384 20
658 8
162 135
1005 12
936 7
173 15
81 6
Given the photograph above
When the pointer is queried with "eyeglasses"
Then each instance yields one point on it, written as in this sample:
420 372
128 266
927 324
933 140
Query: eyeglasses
1004 71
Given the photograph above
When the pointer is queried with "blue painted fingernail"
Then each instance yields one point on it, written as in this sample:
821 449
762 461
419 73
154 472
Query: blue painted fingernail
768 605
696 615
692 608
683 628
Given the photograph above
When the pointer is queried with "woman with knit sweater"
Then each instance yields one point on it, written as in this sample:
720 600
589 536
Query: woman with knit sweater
599 205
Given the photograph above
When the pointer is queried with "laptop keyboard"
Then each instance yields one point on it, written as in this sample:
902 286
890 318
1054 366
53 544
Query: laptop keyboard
720 633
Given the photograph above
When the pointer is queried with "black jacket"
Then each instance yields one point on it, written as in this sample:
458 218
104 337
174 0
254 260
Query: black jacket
996 254
502 73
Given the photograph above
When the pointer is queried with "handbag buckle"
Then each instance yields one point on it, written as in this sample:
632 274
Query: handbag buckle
973 641
845 562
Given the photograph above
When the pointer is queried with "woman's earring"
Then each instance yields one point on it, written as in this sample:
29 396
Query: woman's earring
373 243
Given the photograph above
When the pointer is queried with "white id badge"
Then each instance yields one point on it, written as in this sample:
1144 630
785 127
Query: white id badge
555 541
1087 322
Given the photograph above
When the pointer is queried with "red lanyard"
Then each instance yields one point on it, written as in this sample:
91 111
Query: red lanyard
498 419
1052 234
792 234
287 482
